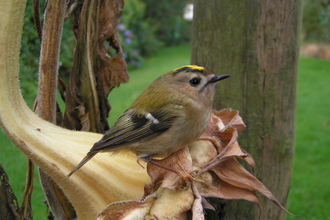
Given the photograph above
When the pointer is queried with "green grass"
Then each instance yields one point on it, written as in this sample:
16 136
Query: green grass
15 164
310 191
310 186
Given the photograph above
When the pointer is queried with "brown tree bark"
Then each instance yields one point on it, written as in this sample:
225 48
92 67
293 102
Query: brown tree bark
257 43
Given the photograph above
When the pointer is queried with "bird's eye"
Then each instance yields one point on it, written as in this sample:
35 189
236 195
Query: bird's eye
195 81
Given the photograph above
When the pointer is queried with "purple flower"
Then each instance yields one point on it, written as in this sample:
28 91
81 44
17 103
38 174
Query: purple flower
135 63
121 27
128 40
127 33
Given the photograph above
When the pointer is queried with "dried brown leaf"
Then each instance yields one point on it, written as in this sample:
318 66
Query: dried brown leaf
169 179
134 209
207 205
83 117
197 207
224 190
235 174
216 123
164 204
228 138
249 160
112 70
213 157
94 73
230 118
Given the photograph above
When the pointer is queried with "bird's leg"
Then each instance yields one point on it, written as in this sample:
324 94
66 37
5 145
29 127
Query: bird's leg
180 173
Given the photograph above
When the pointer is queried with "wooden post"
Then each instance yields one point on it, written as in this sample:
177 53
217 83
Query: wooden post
257 43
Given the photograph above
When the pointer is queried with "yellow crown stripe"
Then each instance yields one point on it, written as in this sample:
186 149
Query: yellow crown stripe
193 67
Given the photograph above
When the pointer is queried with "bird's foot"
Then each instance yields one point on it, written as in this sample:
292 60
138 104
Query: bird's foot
182 174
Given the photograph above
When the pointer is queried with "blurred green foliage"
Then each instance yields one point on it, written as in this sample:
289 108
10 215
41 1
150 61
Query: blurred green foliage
316 21
145 28
167 18
137 36
29 59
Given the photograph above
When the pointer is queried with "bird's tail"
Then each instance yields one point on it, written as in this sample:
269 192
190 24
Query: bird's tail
82 163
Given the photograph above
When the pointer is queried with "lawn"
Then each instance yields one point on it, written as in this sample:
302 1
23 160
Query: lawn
310 191
310 187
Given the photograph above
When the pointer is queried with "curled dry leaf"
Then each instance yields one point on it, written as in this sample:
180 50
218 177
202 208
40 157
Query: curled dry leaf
213 160
95 71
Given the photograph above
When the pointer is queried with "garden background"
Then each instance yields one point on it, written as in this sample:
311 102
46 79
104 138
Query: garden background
152 49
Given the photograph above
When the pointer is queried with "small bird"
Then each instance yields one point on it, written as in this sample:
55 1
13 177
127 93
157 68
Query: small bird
170 114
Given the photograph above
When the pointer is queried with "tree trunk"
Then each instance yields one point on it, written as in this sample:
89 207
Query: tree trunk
257 43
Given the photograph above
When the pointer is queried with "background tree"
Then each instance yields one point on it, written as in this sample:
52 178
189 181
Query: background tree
316 21
257 43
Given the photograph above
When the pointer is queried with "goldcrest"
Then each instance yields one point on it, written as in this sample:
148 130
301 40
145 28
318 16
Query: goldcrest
170 114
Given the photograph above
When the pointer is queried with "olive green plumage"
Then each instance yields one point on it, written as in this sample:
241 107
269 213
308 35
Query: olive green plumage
170 114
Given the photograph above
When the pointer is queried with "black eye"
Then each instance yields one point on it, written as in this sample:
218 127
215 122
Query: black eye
195 81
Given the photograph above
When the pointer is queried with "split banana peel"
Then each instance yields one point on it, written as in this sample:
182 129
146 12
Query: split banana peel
56 150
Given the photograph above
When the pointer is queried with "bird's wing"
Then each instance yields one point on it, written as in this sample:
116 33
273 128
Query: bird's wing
131 128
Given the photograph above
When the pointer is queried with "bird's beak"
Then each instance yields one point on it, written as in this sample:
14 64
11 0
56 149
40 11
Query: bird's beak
217 78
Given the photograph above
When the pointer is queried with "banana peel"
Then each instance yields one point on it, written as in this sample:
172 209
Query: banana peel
55 150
